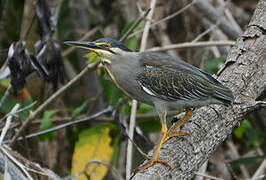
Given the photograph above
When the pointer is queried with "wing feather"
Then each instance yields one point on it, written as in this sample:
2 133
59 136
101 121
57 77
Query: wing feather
172 85
172 79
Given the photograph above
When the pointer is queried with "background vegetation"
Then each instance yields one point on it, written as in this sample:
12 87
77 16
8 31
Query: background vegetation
97 147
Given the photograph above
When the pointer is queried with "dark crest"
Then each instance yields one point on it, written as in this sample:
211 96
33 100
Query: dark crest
113 43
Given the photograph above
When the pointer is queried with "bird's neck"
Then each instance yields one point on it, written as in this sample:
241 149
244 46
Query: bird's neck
109 71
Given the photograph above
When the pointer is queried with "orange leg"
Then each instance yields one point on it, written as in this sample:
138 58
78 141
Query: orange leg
156 154
171 133
166 135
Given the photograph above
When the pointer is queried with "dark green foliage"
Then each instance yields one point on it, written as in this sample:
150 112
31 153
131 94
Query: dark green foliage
212 64
47 124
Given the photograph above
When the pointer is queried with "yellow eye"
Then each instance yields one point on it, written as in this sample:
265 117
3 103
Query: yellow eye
106 46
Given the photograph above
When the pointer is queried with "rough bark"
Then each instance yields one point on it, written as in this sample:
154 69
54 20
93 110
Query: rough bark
245 74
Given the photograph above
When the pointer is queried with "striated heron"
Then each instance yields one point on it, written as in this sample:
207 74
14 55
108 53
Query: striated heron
157 79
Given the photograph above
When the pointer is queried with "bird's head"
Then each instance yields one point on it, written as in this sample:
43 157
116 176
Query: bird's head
106 48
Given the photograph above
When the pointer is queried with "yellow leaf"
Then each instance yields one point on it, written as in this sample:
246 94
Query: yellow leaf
92 57
93 144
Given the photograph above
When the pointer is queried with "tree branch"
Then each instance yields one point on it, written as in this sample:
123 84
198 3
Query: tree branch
209 12
193 45
244 73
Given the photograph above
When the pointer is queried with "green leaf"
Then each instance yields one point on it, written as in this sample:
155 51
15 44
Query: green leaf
47 124
48 114
78 110
248 161
144 108
116 154
132 42
212 64
127 27
23 98
244 126
151 125
92 57
110 92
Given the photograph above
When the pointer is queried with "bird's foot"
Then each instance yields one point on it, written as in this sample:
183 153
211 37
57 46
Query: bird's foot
155 159
151 163
170 135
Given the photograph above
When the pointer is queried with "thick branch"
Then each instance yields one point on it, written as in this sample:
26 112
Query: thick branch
244 73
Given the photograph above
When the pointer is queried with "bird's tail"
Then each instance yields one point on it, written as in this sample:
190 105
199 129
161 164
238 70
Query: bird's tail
224 95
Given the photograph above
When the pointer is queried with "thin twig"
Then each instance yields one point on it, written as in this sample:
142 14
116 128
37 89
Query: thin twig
41 171
234 151
114 171
202 170
29 28
105 119
208 176
134 102
261 177
229 15
217 23
134 25
20 110
209 12
8 122
193 45
164 19
206 31
6 173
15 161
131 136
51 98
7 92
232 20
147 26
138 148
26 164
259 172
96 115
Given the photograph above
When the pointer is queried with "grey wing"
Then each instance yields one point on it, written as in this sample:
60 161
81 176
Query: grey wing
173 85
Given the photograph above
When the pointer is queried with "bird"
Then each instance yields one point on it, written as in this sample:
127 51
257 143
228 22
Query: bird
157 79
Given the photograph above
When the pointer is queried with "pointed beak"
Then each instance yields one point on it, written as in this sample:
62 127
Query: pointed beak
91 46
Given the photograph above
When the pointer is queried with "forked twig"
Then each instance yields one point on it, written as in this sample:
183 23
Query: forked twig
134 25
165 19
